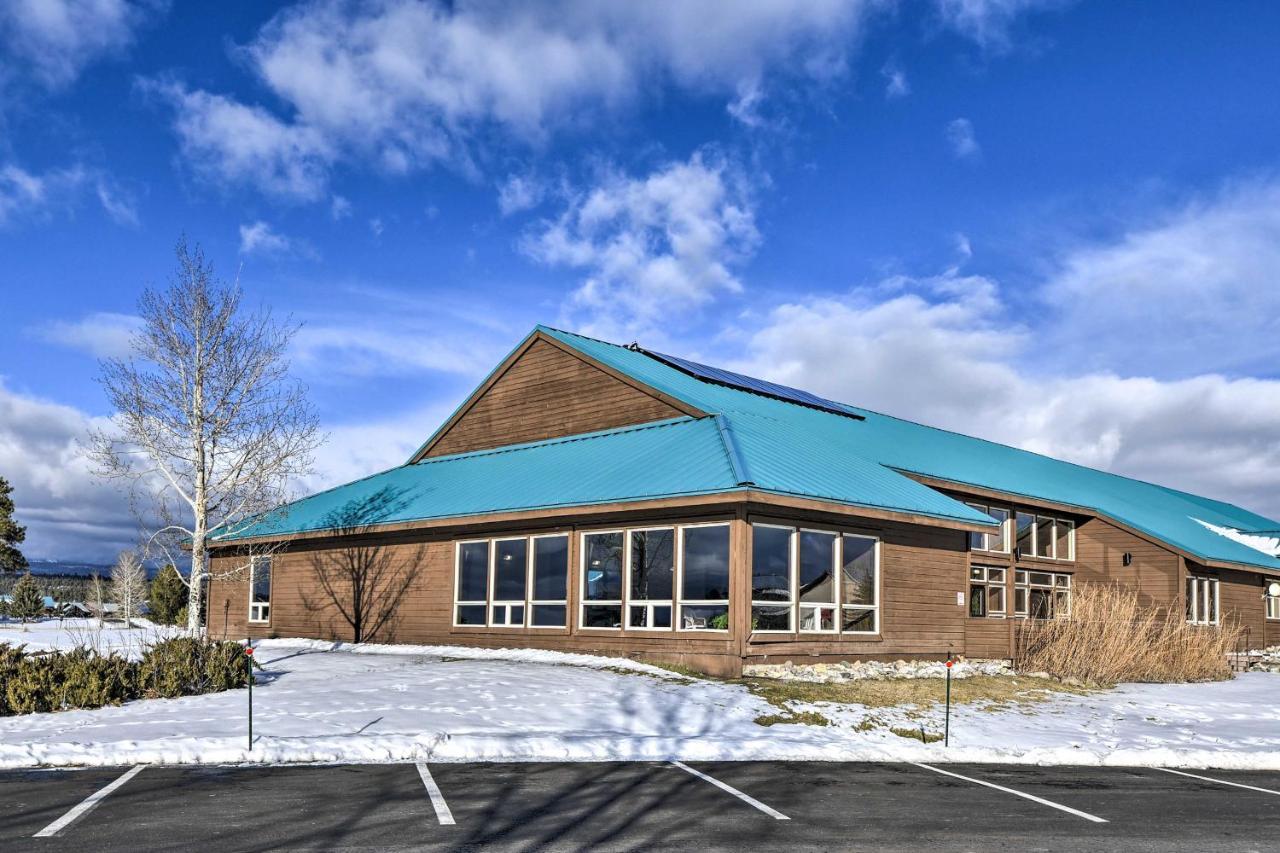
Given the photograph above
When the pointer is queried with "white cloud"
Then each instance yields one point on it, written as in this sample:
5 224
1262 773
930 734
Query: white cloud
30 197
339 208
963 141
407 84
989 22
54 40
946 351
651 247
1194 290
259 237
102 334
519 193
895 81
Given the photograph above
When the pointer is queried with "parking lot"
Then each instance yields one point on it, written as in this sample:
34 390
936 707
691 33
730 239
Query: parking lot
639 806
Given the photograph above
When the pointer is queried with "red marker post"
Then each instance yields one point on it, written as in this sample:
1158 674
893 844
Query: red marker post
248 665
946 726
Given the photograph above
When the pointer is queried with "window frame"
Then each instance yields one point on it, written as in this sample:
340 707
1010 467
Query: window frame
531 584
878 606
1004 534
1271 606
835 605
1059 584
1055 523
507 604
262 608
987 584
793 571
681 602
647 603
1195 582
491 601
583 601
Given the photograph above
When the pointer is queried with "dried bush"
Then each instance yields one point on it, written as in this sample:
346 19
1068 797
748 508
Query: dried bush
1112 637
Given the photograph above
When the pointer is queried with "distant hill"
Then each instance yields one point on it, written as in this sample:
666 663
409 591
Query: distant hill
77 569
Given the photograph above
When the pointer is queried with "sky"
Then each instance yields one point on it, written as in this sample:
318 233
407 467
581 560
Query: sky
1053 224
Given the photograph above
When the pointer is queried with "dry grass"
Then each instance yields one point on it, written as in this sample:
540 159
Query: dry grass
1111 637
803 718
921 692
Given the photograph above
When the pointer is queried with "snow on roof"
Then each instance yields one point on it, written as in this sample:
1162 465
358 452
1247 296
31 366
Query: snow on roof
1262 541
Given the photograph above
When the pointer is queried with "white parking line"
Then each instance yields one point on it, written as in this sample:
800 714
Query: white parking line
1025 796
774 813
87 805
1220 781
437 799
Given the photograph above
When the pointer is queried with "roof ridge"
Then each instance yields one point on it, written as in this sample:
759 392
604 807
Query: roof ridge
561 439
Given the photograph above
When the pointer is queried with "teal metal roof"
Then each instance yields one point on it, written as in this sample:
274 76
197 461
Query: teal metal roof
807 447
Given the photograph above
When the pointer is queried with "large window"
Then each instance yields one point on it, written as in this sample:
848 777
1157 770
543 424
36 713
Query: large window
512 582
602 579
704 578
987 591
1041 595
1203 606
998 542
818 580
1045 537
260 589
651 572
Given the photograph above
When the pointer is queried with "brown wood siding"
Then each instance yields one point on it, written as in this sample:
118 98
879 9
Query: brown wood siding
548 393
1154 571
1243 604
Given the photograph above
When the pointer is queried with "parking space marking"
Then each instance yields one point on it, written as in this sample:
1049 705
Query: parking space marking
746 798
1059 806
1220 781
437 799
87 805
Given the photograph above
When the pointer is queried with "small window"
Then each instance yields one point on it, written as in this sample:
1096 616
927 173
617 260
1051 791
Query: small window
260 589
510 583
1044 537
987 591
1273 602
1042 595
859 585
472 584
651 585
998 542
1026 528
602 580
1203 606
1066 547
817 581
704 578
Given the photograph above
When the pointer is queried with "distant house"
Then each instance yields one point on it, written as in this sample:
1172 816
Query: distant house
603 498
75 610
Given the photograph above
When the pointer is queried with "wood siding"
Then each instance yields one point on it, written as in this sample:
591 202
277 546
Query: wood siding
1154 570
547 393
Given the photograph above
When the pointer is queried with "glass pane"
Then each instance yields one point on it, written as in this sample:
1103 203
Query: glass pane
817 566
510 569
473 572
1020 602
661 615
639 616
999 541
603 567
977 600
1026 524
770 563
764 618
977 573
1041 604
1191 599
1062 604
517 614
1044 537
706 563
817 618
978 541
859 572
602 616
1042 578
1211 601
697 617
856 620
550 568
995 599
548 615
1064 540
262 580
471 614
653 560
1020 577
995 575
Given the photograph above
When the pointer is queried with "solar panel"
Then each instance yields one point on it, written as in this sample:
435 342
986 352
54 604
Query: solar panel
753 385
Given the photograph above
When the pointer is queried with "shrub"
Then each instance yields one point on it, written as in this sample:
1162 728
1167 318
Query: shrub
187 666
168 597
28 600
75 679
1111 637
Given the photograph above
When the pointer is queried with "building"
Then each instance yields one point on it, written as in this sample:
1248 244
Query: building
600 498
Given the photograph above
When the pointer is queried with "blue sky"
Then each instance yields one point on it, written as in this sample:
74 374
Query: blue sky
1053 224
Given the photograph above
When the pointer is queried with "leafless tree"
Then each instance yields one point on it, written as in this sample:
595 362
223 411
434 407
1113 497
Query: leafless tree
209 428
364 581
128 585
97 594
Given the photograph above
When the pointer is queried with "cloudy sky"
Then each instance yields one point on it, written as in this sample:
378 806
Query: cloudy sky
1054 224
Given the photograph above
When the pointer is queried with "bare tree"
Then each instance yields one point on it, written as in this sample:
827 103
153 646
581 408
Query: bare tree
364 581
209 428
128 585
97 592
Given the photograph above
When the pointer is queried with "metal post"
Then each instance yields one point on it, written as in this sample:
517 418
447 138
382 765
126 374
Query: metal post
946 726
248 665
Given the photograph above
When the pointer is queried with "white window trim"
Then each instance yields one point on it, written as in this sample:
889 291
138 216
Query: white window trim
1272 605
647 603
1053 586
583 601
876 550
1006 528
260 608
490 602
1053 537
986 581
457 582
507 603
793 573
1196 582
531 587
802 606
682 602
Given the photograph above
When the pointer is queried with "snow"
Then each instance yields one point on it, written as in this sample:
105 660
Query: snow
325 702
1267 544
51 634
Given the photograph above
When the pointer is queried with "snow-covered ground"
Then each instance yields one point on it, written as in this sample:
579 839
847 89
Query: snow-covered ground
67 633
321 702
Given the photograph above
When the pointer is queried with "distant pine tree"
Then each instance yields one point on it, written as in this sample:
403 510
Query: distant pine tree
11 533
168 596
28 600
